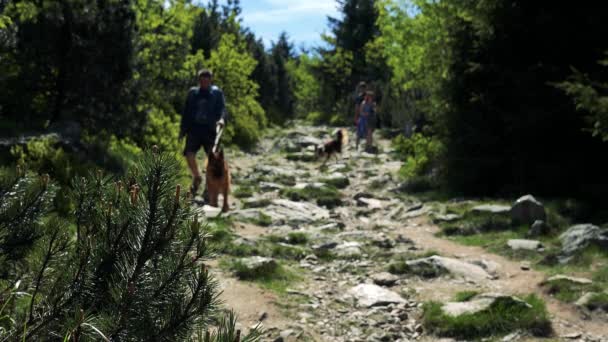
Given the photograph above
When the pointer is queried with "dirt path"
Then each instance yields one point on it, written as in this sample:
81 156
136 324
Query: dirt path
317 307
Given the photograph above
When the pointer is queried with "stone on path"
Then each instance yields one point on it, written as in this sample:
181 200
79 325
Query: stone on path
370 203
210 211
527 210
283 211
496 209
527 245
574 280
369 295
384 279
539 227
436 265
257 264
480 303
269 186
446 218
348 249
579 237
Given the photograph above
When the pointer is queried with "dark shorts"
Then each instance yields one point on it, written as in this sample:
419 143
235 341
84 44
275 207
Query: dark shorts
194 142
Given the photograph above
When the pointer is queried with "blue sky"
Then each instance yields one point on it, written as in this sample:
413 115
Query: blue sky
303 20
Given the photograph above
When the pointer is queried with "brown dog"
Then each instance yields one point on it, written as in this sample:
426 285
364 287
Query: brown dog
218 179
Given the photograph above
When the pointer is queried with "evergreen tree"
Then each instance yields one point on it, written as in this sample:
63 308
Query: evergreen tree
283 106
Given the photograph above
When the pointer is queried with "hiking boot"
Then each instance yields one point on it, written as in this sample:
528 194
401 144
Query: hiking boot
196 183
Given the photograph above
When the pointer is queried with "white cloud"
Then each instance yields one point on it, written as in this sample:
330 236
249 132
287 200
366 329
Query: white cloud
282 11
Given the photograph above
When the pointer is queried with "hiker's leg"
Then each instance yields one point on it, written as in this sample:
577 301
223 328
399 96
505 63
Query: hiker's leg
190 150
192 164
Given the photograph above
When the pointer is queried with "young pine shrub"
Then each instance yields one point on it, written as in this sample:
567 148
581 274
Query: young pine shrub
130 266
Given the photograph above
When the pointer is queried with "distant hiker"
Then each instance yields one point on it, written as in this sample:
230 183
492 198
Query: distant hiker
205 110
367 120
359 97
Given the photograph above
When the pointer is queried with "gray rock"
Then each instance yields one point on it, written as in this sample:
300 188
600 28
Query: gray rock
325 246
384 279
383 241
268 186
527 245
350 249
579 237
527 210
539 228
370 203
369 295
480 303
258 264
496 209
436 265
584 301
574 280
256 202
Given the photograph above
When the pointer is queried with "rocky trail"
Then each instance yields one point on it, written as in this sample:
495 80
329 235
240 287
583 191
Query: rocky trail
340 289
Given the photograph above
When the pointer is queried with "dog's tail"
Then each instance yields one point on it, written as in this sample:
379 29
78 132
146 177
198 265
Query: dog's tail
342 135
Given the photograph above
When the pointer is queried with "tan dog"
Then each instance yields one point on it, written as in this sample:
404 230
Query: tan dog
218 179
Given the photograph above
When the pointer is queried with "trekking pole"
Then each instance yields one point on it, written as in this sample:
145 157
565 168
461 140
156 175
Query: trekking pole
219 129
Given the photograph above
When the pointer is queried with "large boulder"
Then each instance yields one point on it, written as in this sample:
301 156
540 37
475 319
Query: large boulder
436 265
369 295
527 210
579 237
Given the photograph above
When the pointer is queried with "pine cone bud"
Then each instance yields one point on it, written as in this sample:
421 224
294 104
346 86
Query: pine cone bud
134 192
178 190
45 179
118 186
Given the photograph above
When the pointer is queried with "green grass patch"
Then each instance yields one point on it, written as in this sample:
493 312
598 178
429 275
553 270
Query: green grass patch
327 196
337 182
243 191
262 220
293 238
499 319
475 223
465 296
565 290
277 279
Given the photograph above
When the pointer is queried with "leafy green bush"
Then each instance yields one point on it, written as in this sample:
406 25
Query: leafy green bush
232 67
419 152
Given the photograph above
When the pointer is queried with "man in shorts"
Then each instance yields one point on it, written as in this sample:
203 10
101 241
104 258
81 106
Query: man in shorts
205 110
